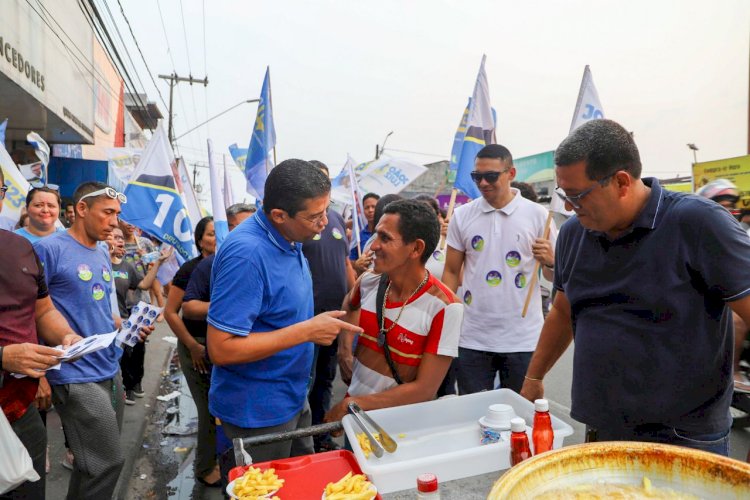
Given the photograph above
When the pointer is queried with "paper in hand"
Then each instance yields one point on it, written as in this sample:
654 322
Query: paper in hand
141 315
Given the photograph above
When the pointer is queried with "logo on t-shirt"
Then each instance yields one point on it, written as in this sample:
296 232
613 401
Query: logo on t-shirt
493 278
467 298
316 237
513 259
97 291
105 274
477 243
336 233
120 274
84 272
404 339
438 255
520 280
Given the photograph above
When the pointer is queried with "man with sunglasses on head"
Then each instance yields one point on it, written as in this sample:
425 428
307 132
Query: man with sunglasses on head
261 328
647 280
88 394
497 240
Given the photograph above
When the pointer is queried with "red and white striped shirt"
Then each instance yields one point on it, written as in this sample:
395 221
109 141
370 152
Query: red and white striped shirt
430 323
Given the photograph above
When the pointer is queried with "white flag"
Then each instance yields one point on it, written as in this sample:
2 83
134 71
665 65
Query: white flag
588 106
221 227
187 193
15 197
228 196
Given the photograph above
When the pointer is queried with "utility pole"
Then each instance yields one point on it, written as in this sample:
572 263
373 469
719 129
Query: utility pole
174 79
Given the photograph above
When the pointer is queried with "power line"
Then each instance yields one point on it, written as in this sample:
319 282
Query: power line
190 67
107 38
127 52
77 62
205 64
415 152
150 74
93 71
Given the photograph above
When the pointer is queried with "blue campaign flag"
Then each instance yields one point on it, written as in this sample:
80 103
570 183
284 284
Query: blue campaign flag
154 203
262 142
3 126
479 131
239 155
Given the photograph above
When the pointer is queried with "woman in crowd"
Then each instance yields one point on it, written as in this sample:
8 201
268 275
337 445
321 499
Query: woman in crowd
43 208
191 348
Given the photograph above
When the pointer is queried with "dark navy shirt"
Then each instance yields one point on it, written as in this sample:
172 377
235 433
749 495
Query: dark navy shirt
260 282
653 333
327 254
199 286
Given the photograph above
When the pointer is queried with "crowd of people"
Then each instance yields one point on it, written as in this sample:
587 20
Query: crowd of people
423 304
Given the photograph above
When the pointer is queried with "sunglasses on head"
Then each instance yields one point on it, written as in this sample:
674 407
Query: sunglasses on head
39 185
109 192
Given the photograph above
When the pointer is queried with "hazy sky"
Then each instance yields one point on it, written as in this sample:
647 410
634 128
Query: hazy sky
345 73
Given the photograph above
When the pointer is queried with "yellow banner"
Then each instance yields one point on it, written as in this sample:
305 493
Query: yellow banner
736 170
680 187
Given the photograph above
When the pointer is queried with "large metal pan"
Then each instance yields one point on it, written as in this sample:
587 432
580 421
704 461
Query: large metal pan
684 470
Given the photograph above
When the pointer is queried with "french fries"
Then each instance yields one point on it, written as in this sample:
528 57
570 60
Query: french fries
256 484
350 487
364 443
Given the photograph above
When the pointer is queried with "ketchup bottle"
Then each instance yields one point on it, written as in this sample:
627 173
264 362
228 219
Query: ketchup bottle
542 434
519 441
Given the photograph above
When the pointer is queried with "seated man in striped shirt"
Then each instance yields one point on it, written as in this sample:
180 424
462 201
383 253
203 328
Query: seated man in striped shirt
420 319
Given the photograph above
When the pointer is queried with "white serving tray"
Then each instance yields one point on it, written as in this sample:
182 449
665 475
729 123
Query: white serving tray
442 437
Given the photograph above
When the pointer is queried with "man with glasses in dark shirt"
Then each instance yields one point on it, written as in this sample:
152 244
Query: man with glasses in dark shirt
646 280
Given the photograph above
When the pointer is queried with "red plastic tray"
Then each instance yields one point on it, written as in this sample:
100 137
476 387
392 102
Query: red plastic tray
306 477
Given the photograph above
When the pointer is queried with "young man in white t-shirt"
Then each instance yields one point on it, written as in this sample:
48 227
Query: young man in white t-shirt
497 239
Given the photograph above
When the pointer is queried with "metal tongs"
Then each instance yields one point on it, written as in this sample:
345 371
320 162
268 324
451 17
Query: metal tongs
387 443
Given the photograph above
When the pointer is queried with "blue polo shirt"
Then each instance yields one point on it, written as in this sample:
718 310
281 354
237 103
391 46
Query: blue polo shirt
260 282
653 333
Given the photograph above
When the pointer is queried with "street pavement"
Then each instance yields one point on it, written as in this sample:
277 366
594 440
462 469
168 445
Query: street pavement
160 466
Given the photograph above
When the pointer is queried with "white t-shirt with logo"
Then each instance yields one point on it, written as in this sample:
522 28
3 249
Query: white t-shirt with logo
498 268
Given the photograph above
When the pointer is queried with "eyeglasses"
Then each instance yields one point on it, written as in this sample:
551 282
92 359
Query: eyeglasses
490 177
110 192
575 201
317 220
3 190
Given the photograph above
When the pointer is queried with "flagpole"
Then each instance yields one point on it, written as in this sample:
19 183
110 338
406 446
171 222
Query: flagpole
535 276
449 214
270 103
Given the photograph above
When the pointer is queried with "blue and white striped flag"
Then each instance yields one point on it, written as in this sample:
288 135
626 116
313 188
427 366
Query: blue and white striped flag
262 142
480 131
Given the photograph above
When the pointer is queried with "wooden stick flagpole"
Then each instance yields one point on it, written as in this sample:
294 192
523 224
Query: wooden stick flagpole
449 214
535 276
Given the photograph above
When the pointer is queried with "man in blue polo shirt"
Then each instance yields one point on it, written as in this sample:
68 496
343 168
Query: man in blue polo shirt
647 280
261 328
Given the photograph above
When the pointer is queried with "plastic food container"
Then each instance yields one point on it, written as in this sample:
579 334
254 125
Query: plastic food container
442 437
306 477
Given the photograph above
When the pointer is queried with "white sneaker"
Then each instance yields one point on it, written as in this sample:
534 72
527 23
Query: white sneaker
67 460
741 383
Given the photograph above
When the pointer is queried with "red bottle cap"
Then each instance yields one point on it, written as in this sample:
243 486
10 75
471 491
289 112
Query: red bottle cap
427 483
